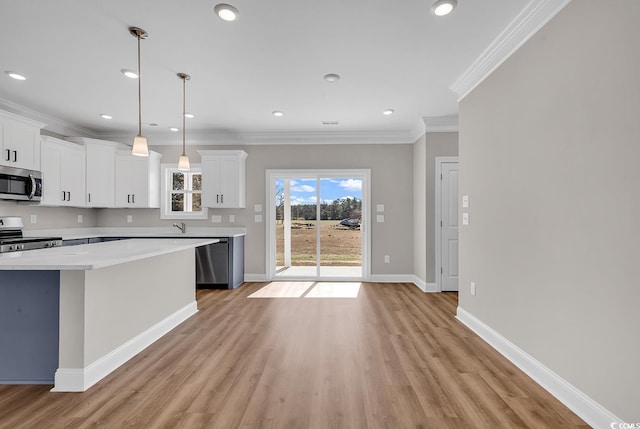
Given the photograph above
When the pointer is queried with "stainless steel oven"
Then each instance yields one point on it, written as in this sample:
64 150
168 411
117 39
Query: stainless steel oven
20 184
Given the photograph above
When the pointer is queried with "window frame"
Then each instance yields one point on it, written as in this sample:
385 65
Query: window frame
166 189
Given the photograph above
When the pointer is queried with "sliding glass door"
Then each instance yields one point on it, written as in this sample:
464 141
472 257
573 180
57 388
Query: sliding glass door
317 224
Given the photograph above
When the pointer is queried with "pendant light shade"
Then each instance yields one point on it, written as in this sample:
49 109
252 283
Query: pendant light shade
183 162
140 147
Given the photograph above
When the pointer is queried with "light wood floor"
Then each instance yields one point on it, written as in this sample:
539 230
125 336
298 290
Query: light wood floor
391 358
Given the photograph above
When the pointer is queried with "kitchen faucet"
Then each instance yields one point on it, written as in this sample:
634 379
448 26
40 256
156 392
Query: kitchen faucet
181 226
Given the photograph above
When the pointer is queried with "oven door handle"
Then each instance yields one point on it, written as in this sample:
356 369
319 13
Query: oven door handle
33 186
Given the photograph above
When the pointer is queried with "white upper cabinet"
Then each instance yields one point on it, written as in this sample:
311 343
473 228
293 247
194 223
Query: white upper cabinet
137 180
19 141
223 178
63 173
101 171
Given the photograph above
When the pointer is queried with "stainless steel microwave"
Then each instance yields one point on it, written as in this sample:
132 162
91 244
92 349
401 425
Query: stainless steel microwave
20 184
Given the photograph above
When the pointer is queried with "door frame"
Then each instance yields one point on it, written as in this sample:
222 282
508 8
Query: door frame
440 160
270 218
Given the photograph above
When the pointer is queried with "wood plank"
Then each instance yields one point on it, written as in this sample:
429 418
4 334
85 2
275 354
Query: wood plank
393 357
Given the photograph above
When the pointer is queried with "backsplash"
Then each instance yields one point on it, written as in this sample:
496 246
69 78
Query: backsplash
49 217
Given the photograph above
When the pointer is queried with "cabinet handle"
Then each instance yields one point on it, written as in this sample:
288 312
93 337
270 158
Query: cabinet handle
133 198
64 196
89 196
69 195
15 156
222 198
217 198
129 198
8 155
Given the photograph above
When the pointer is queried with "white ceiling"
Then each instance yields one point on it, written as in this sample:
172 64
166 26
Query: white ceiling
390 55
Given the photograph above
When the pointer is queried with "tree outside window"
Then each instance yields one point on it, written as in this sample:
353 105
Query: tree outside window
182 193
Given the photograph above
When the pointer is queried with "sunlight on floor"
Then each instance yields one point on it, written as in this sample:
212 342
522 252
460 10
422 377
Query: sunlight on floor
308 290
282 290
334 290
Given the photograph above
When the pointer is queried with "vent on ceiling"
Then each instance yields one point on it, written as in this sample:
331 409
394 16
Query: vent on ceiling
330 122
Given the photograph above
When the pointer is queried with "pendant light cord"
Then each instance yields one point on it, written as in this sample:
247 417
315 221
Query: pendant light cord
139 91
184 104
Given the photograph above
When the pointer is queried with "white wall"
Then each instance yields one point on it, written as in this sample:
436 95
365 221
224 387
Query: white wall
49 217
549 148
392 185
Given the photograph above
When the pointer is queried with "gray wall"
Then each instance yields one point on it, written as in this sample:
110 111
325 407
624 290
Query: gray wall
392 185
549 157
438 144
420 208
49 217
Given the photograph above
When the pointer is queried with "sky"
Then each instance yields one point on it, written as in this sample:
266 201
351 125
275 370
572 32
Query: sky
304 191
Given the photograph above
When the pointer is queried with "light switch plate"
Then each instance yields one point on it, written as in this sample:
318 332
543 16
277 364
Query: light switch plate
129 218
257 208
216 218
380 208
232 218
472 288
257 218
80 219
465 201
380 218
33 218
465 218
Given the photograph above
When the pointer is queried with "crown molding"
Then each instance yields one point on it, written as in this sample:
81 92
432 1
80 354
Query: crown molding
441 124
53 124
532 18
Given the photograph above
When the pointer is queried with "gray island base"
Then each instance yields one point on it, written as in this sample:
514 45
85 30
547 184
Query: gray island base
73 315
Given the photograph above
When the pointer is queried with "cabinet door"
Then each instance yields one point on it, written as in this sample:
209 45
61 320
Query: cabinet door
140 182
101 169
21 146
52 155
211 182
229 186
73 176
124 165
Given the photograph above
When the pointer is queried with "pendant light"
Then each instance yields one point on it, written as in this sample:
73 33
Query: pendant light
183 162
140 147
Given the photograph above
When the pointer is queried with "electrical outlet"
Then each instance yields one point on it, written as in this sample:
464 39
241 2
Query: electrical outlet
380 218
232 218
33 218
387 259
216 218
472 288
80 219
257 218
465 218
129 218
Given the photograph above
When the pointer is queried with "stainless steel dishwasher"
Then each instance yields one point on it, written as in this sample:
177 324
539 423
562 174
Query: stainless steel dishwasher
212 263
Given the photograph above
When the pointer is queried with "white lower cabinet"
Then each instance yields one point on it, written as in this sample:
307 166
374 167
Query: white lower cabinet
223 178
137 181
63 173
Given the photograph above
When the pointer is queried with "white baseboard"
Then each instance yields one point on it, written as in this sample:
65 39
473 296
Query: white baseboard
255 278
586 408
80 379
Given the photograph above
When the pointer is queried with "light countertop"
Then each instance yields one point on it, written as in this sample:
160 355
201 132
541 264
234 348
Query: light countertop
138 232
97 255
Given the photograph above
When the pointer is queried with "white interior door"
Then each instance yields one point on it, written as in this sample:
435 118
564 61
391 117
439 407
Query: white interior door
449 226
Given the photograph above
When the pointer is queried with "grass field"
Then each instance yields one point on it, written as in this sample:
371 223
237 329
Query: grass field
338 247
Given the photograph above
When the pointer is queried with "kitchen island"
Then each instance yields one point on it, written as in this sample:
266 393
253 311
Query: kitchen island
71 315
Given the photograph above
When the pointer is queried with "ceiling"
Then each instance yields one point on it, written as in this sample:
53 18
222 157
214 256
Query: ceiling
390 55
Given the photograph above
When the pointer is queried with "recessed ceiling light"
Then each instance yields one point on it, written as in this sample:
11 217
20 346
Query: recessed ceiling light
443 7
226 12
189 115
153 124
105 116
330 122
174 129
16 76
129 73
388 112
331 77
277 113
